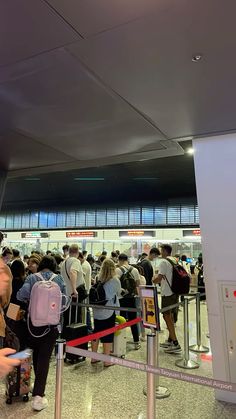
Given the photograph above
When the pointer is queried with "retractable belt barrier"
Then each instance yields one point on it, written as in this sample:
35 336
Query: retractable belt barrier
98 335
151 368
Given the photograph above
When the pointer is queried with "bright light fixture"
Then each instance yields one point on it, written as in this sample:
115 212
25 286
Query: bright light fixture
190 151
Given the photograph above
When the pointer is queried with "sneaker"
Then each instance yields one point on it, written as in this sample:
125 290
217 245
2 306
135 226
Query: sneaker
172 349
39 403
137 346
165 344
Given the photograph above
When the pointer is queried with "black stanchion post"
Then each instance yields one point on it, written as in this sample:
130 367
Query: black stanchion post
198 347
186 362
60 352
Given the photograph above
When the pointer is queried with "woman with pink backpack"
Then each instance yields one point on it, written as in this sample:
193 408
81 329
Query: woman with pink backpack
43 332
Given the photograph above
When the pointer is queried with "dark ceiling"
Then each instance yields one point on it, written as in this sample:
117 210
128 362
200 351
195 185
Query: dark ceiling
143 181
88 88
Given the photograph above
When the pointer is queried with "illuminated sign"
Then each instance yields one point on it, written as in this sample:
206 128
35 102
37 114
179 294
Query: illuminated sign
137 233
193 233
34 235
75 234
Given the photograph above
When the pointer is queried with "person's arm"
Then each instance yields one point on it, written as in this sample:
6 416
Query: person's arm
161 273
7 364
24 293
73 280
5 284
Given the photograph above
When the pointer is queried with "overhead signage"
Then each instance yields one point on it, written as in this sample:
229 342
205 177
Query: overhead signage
76 234
34 235
192 233
137 233
150 309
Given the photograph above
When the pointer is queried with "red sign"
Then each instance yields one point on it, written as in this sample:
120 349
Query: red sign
187 233
137 233
71 234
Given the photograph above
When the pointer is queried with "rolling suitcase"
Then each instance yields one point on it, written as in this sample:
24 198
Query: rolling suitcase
75 330
18 381
119 343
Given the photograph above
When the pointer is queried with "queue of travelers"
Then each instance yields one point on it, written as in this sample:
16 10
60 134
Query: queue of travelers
75 272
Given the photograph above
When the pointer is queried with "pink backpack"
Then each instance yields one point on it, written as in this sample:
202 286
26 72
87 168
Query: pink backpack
45 306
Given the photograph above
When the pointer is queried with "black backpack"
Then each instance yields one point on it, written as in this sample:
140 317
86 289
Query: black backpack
97 294
128 282
180 279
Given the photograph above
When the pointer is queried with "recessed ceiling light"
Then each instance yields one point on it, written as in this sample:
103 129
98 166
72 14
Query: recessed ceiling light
196 58
190 151
32 179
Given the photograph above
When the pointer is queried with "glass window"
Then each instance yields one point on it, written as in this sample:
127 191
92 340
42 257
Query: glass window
9 222
134 216
196 215
25 221
148 215
112 217
61 220
34 220
160 215
17 221
80 219
2 221
101 218
173 215
187 214
70 219
52 219
43 220
123 216
90 218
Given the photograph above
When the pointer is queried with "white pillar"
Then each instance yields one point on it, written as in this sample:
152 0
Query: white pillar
215 169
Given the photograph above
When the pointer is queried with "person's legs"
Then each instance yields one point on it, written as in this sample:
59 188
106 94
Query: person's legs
107 348
172 343
170 325
43 349
130 303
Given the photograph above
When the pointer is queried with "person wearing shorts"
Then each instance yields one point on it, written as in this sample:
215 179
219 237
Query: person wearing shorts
164 277
105 319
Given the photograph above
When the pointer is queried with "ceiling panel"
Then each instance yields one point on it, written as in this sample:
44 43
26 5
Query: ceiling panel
55 100
149 63
90 17
29 28
19 152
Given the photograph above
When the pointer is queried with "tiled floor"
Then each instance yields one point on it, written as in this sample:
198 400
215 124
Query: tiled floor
90 392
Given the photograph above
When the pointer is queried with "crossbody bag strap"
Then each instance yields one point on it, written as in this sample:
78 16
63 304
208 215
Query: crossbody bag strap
66 270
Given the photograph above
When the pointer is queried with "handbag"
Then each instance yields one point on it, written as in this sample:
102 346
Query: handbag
82 292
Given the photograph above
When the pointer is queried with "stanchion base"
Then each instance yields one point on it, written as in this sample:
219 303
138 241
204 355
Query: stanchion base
161 392
188 365
199 349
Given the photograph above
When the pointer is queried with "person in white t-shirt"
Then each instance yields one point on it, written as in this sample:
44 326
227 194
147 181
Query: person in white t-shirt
164 278
71 271
87 272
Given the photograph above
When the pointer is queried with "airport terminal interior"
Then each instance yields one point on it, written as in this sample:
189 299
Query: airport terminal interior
117 151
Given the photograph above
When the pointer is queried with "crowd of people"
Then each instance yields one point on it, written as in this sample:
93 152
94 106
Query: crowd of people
75 272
